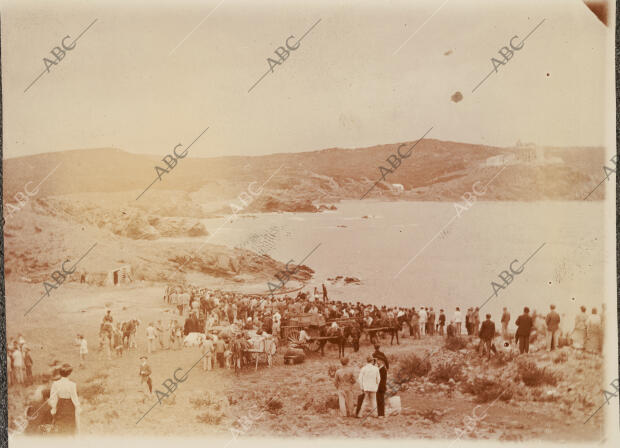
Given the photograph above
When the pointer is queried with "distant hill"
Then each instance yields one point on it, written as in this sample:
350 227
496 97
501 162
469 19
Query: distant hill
436 170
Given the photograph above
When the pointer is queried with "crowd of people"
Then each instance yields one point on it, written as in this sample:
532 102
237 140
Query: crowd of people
233 323
19 362
229 327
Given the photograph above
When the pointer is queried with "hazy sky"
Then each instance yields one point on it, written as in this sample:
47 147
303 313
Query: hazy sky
351 83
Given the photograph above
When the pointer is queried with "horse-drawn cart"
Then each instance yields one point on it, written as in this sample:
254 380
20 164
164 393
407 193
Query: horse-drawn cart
309 322
387 325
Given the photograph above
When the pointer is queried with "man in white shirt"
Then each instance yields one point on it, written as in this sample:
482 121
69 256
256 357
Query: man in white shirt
423 318
457 320
303 336
151 334
369 379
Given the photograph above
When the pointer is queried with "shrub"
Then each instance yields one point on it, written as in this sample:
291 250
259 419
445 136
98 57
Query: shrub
532 375
446 370
455 343
274 406
486 390
413 366
561 358
332 402
502 358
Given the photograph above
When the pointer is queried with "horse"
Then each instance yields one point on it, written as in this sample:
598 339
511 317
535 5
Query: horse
356 334
129 329
391 325
405 319
336 336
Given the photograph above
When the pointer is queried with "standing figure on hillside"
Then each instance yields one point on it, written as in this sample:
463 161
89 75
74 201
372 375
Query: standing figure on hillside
423 318
18 364
442 322
207 350
594 333
160 333
457 321
369 379
277 319
145 374
487 333
468 325
81 342
430 327
220 348
64 403
475 321
28 366
105 333
117 338
344 380
553 328
178 335
579 332
505 322
415 324
524 327
151 334
381 388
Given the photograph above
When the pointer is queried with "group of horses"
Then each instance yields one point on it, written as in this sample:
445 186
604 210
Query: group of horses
125 334
351 330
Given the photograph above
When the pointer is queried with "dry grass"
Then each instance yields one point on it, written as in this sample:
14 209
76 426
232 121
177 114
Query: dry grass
207 399
97 377
210 417
92 392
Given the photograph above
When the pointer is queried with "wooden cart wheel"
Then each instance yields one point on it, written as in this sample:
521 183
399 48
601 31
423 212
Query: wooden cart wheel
291 333
314 345
294 332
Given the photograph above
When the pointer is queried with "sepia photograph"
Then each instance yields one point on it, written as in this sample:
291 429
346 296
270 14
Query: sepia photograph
278 222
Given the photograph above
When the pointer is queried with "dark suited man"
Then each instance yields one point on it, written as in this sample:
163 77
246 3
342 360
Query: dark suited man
382 387
524 328
378 354
487 333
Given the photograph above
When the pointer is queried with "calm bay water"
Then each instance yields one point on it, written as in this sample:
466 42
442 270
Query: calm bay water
402 258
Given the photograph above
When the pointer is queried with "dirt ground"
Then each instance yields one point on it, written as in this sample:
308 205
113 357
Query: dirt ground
215 402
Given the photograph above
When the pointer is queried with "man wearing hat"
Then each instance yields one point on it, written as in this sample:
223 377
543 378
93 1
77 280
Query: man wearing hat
487 333
145 374
64 402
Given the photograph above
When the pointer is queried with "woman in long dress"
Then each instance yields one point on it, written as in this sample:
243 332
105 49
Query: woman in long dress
594 333
64 403
579 332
